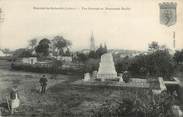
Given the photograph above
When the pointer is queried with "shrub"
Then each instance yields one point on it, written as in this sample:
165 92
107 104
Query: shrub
141 103
52 69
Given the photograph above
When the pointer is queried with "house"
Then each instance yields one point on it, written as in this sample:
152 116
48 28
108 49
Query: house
2 53
85 51
65 58
29 60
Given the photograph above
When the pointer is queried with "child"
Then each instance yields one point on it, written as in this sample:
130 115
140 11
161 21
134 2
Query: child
15 102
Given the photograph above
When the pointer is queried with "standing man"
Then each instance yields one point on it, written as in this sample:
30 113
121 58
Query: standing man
43 82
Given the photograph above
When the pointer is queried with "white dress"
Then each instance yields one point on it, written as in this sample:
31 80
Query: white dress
15 102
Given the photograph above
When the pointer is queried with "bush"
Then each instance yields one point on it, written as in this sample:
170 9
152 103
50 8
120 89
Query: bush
155 64
141 103
45 69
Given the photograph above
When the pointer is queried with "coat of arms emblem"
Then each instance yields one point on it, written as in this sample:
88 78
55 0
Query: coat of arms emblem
168 13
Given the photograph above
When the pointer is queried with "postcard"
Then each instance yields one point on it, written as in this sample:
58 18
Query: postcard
91 58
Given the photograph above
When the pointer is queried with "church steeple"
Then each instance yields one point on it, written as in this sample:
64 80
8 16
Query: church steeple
92 43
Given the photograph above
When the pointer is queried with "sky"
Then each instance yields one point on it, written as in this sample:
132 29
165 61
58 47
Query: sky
133 27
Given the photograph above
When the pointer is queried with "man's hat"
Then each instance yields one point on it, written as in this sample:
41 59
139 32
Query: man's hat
14 88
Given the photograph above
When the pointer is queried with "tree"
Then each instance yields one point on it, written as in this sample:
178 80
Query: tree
22 52
67 52
92 54
61 43
178 56
44 41
101 50
43 48
33 43
154 46
122 64
105 47
82 57
6 51
158 63
91 65
140 104
162 64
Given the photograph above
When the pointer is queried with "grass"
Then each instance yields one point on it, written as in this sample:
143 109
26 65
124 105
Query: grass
4 64
62 99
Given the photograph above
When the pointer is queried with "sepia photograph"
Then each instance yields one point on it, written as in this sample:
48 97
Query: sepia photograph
91 58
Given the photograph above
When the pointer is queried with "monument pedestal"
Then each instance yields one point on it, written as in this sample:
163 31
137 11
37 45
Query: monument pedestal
121 79
106 68
86 77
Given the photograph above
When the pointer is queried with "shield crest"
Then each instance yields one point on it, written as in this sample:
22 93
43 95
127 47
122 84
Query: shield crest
168 13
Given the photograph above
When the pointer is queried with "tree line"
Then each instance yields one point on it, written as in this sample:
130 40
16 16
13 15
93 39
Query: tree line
158 62
56 46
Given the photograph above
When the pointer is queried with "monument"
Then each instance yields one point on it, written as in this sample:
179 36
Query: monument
106 68
86 77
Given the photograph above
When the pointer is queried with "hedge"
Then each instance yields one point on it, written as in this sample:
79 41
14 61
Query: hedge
37 68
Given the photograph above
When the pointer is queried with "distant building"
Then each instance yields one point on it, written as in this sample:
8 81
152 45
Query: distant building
85 51
2 53
34 52
123 55
29 60
65 58
45 62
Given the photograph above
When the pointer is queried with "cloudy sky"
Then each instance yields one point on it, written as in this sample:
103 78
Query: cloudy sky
132 27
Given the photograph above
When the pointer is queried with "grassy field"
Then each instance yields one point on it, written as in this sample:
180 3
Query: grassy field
62 99
28 86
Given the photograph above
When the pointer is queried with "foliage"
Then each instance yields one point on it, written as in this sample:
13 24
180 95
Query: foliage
122 64
54 68
136 106
98 53
82 57
43 47
6 51
101 50
33 43
67 52
92 54
154 46
22 52
91 65
60 43
158 63
178 56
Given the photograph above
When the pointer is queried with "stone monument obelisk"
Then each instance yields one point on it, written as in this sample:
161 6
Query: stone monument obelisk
106 68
